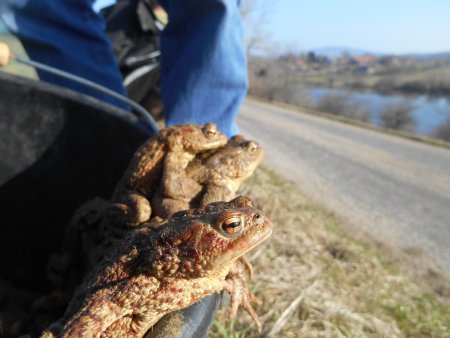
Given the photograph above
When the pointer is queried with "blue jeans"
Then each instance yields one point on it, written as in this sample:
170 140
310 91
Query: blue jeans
68 35
203 66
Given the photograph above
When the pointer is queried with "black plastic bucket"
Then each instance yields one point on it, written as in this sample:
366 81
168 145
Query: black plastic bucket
57 150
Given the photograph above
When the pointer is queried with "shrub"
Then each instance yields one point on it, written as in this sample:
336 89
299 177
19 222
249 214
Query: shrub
443 131
342 105
398 116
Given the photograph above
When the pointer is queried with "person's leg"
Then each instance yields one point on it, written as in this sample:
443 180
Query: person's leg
68 35
203 65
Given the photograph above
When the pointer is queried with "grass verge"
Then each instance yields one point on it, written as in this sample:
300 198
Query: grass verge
333 285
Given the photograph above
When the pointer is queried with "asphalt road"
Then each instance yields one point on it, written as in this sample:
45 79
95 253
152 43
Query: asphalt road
394 190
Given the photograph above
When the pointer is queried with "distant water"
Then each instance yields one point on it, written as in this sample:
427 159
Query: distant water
429 112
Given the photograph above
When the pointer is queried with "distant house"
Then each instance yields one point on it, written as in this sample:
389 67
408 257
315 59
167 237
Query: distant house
365 59
301 64
390 60
323 60
346 60
364 70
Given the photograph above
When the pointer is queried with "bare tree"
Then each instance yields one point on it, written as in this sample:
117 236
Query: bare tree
398 116
255 14
273 78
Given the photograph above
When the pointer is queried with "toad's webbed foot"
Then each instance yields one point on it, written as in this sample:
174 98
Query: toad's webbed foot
236 285
244 263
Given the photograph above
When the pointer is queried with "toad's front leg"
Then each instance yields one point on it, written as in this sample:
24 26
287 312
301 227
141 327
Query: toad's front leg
132 326
174 182
91 321
236 285
132 210
108 305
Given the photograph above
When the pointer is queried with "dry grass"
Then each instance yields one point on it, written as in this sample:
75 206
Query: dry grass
340 287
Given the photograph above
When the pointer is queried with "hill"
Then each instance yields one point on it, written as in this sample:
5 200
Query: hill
429 56
337 51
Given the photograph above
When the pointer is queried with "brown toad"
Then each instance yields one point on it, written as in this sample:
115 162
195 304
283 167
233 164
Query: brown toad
161 159
157 271
219 174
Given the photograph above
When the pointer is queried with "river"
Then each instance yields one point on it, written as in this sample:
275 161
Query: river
429 112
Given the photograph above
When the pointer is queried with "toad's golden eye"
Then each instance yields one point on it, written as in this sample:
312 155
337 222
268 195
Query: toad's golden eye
252 147
210 132
232 226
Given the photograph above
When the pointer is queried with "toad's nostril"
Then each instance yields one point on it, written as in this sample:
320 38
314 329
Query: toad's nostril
259 219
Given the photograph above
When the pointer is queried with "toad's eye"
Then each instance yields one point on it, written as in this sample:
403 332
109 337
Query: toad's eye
252 147
232 226
210 132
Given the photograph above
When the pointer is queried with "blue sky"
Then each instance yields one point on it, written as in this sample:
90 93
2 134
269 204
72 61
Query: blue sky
390 26
395 26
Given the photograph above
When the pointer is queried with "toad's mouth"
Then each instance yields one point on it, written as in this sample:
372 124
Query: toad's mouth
243 245
266 236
